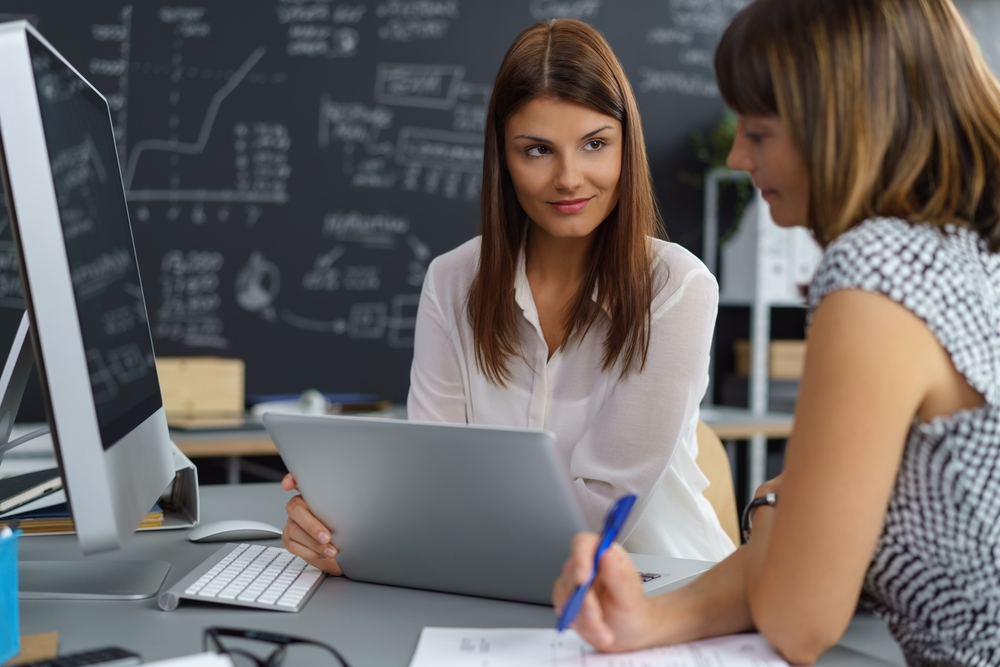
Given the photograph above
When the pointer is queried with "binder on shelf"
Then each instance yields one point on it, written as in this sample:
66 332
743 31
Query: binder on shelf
787 258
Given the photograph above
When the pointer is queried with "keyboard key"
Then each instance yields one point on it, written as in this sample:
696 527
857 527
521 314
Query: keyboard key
258 576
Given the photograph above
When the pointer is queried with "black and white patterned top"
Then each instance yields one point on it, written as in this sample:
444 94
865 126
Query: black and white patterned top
935 573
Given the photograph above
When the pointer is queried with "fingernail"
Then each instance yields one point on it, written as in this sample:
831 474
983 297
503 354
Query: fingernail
323 537
329 552
604 637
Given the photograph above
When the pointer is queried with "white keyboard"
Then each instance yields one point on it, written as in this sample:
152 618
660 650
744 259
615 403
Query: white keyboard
248 575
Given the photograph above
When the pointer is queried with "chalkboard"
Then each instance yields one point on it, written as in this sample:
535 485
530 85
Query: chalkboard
292 166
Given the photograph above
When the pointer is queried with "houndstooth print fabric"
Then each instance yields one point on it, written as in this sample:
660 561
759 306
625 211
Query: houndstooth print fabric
935 573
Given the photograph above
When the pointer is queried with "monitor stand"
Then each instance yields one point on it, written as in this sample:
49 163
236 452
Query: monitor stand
90 579
66 579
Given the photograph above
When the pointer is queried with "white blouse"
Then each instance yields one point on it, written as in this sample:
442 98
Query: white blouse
632 435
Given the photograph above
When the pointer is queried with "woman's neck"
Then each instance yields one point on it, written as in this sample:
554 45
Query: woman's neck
555 268
556 261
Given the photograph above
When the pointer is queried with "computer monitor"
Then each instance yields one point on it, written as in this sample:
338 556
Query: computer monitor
86 316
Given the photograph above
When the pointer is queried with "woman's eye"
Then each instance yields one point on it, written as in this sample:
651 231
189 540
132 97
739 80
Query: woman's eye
754 137
537 151
594 145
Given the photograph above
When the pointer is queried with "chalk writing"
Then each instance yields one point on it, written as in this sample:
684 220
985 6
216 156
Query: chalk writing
108 33
436 162
435 148
292 11
371 229
696 85
188 312
704 16
542 10
696 57
348 13
431 86
262 158
398 30
351 122
423 9
324 277
668 36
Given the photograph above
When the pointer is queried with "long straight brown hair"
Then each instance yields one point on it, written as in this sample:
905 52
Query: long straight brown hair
570 61
890 101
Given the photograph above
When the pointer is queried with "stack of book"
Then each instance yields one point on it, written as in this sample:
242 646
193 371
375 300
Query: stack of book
36 503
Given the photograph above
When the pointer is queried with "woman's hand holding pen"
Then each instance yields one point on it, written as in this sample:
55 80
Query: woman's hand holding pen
305 536
615 615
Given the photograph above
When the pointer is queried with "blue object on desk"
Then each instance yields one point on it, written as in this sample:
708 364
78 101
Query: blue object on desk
612 524
10 633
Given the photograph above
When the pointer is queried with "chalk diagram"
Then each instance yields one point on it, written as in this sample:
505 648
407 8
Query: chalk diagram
349 267
197 147
582 10
257 286
431 161
152 169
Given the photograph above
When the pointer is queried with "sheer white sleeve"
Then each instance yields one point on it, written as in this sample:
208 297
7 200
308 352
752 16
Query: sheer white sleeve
630 444
437 390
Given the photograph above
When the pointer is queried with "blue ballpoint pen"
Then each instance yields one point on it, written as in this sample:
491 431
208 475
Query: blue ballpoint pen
612 524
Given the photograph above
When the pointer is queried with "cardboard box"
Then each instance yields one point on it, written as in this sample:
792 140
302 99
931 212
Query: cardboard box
785 359
195 387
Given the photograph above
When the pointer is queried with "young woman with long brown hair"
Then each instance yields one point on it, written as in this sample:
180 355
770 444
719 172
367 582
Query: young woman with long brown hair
568 313
876 123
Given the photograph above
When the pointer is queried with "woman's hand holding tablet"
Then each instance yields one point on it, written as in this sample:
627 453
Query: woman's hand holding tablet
304 534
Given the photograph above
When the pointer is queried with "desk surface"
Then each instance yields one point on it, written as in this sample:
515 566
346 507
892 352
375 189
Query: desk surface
370 624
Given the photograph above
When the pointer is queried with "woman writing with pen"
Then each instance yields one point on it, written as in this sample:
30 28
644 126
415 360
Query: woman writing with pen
876 124
568 313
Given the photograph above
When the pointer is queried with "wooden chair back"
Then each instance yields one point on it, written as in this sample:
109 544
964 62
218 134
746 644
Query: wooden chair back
714 463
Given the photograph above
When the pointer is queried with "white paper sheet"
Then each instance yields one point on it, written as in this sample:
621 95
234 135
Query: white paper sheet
534 647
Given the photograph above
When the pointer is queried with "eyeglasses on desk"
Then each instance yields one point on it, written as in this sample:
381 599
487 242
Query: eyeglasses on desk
245 648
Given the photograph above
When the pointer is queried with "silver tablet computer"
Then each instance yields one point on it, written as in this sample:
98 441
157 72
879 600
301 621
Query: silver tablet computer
477 510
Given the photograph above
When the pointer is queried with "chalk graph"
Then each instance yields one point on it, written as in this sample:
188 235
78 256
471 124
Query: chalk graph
258 178
197 147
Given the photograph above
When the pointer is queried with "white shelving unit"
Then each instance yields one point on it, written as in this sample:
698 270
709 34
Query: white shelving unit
765 265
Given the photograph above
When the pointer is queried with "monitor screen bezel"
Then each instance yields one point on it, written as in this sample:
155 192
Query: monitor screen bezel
110 489
116 428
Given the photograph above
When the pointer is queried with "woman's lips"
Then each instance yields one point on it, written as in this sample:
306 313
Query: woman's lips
570 205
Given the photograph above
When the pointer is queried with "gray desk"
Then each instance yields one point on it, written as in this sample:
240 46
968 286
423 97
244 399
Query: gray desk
371 625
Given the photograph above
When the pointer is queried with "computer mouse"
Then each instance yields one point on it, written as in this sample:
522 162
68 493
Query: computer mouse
234 530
